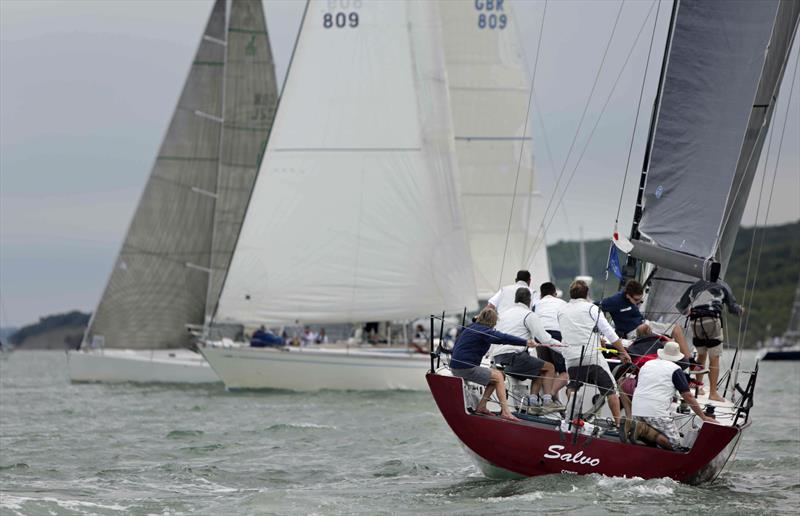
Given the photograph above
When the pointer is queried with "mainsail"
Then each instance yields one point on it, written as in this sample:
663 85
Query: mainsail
489 87
355 215
160 280
725 63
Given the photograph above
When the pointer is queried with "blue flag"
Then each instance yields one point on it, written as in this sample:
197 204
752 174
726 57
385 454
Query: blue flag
613 262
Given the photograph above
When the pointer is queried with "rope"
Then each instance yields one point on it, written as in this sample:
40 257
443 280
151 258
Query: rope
522 149
580 122
543 229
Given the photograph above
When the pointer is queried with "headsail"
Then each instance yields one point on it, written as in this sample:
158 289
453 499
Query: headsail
251 95
489 90
354 215
725 63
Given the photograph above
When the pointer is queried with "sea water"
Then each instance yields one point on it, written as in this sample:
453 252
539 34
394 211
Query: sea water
168 449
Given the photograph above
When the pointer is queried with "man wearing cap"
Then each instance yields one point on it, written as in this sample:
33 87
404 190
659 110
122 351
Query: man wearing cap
652 400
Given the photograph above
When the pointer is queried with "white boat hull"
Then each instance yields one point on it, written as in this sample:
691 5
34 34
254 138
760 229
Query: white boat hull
304 369
139 366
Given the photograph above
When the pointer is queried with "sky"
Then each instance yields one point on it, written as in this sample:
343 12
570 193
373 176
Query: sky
87 89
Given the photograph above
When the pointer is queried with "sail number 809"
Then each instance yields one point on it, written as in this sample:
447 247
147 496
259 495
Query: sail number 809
492 21
340 20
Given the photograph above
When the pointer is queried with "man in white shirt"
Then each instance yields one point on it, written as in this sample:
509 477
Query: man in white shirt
652 400
578 320
547 308
504 298
518 320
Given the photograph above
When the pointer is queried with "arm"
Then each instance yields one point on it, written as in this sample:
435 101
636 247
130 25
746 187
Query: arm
682 386
534 325
733 306
495 299
683 304
498 337
611 336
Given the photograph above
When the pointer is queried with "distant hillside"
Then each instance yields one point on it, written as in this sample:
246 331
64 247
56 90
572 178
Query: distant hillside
52 332
776 277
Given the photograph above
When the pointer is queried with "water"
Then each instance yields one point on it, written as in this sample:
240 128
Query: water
126 449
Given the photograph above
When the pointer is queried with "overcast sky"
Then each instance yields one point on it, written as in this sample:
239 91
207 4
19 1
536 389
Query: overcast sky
87 89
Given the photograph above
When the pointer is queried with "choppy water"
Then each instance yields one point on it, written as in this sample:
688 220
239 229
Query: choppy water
126 449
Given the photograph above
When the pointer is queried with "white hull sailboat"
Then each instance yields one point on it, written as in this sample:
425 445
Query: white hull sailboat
170 268
139 366
387 194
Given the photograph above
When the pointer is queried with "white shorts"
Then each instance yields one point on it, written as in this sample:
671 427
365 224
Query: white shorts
661 328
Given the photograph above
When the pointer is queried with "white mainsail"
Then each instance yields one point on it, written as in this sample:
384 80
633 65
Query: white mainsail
355 214
489 86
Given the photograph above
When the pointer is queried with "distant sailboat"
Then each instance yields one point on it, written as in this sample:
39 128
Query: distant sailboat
787 346
170 268
357 212
723 65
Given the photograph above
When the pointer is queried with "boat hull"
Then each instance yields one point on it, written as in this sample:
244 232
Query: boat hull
301 369
139 366
505 449
780 354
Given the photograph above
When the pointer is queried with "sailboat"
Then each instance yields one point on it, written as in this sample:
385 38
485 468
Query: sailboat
170 268
723 66
787 346
357 211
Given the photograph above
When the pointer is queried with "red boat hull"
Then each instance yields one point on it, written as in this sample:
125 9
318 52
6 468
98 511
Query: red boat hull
529 449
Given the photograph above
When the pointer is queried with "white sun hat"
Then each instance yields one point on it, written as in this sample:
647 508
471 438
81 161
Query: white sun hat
671 352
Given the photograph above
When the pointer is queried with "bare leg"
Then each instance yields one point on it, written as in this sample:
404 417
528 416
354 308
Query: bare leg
680 338
701 359
613 404
662 441
497 383
558 383
626 404
487 393
714 378
547 373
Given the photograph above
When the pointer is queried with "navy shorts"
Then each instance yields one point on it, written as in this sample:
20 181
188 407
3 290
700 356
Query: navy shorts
591 374
521 365
551 355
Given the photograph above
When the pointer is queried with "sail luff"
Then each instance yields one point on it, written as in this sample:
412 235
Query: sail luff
250 98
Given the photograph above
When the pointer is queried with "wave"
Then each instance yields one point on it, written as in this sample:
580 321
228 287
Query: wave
299 426
180 434
18 465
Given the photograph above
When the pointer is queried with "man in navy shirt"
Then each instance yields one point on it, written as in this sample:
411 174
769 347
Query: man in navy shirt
629 321
465 362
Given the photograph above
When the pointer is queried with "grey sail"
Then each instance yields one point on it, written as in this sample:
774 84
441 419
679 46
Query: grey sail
160 278
251 96
724 67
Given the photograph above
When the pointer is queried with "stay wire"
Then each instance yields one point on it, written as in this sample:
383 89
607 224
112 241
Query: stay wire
538 242
580 122
636 118
522 149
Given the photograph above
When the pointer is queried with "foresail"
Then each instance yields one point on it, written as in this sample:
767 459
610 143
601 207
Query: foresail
489 87
251 95
160 278
708 133
354 215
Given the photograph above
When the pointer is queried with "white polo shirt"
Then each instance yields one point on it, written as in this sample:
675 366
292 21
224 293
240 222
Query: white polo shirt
655 389
577 320
519 321
504 298
547 309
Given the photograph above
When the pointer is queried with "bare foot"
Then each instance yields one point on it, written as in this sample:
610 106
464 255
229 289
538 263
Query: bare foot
509 416
484 411
701 392
716 397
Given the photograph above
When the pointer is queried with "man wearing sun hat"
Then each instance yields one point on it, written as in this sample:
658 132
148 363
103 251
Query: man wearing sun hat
652 399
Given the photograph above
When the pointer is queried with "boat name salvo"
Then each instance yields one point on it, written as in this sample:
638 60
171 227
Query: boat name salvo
578 458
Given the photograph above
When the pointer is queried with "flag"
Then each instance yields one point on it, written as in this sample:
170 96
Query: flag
613 262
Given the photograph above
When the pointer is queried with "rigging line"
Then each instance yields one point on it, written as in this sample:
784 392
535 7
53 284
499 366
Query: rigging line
549 153
537 243
769 200
755 227
636 118
521 151
580 122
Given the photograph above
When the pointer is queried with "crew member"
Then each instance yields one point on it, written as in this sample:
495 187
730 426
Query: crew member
504 298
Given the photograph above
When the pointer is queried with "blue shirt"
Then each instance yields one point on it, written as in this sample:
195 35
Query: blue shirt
474 342
626 315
